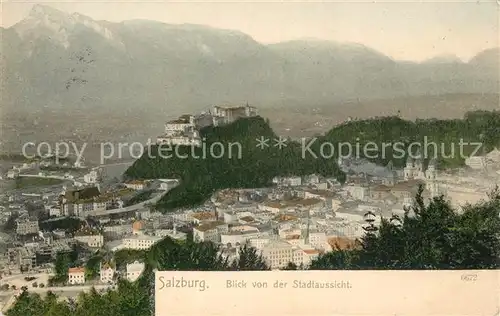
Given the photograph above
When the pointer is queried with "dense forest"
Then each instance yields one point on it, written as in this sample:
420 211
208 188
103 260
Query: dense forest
202 174
434 236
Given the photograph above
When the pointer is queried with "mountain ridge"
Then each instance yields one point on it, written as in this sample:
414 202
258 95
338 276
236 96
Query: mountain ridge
56 59
41 9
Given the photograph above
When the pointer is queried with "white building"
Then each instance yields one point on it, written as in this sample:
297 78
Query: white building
358 192
476 162
27 226
363 209
227 115
185 216
431 172
185 139
172 233
312 179
117 230
140 242
134 270
260 242
80 202
92 177
136 185
79 164
230 217
91 239
210 231
59 233
181 131
318 240
239 235
184 123
107 273
304 257
414 169
288 181
350 230
200 217
285 231
273 206
277 254
76 275
54 210
12 174
168 184
349 217
493 156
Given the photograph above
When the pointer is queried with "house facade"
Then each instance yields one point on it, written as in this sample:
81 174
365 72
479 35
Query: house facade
134 270
76 275
107 273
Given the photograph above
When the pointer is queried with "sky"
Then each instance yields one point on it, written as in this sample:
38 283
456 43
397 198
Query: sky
402 30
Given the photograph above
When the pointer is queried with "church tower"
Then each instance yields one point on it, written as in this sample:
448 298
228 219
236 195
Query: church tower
409 169
418 172
430 178
307 232
431 172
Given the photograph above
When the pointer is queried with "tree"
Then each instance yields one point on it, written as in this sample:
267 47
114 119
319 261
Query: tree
336 260
94 304
55 308
249 260
10 225
291 266
124 256
92 267
436 237
169 254
27 304
62 264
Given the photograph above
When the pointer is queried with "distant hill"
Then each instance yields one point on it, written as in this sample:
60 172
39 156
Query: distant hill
444 59
57 60
294 119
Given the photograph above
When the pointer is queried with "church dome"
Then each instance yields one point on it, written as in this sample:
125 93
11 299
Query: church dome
138 225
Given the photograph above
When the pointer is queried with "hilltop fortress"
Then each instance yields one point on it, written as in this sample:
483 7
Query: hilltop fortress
185 129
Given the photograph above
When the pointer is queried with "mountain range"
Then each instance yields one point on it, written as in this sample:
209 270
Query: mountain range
55 59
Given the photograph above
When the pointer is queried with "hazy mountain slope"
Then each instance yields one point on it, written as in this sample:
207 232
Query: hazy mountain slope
54 59
333 70
488 58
